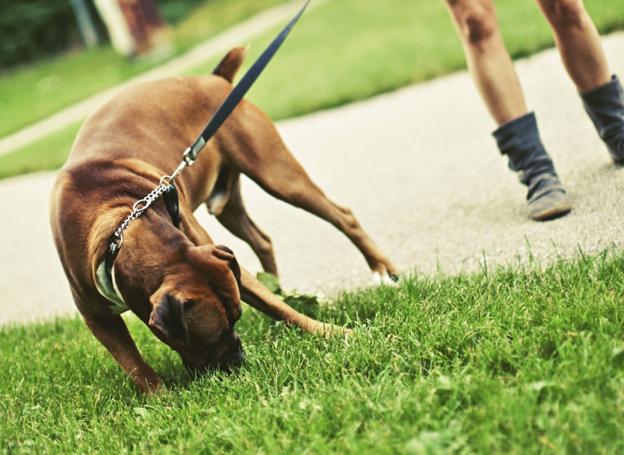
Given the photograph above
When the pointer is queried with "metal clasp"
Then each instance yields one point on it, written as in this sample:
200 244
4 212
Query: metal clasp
188 159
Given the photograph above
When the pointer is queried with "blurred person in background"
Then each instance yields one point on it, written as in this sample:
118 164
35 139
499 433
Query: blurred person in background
135 27
517 135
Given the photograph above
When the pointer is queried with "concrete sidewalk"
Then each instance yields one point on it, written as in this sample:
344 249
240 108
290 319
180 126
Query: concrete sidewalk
419 169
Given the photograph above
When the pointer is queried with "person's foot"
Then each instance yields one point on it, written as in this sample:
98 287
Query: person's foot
519 139
547 199
605 106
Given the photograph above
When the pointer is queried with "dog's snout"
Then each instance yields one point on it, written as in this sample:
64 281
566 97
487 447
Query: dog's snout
237 359
236 356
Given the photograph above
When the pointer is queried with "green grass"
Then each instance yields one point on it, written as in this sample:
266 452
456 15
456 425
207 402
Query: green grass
45 154
515 361
348 50
30 93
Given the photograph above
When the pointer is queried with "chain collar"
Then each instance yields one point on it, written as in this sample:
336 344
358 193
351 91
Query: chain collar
166 184
105 274
140 206
166 187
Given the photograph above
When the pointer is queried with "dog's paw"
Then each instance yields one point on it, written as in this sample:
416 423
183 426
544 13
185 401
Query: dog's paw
331 330
384 279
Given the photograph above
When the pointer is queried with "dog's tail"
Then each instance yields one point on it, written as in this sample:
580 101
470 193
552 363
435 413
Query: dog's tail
230 64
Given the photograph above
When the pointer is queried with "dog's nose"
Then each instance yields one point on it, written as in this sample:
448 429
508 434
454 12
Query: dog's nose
237 359
237 355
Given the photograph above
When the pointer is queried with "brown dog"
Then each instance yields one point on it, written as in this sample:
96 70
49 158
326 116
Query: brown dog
175 280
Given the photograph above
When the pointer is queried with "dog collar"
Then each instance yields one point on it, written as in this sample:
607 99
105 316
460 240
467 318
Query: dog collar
107 287
105 274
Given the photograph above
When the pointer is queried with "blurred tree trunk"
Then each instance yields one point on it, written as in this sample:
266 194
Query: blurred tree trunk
135 26
88 29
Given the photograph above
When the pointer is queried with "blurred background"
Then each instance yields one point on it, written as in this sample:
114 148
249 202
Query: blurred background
56 53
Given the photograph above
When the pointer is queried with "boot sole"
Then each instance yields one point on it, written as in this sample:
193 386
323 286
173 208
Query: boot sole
552 213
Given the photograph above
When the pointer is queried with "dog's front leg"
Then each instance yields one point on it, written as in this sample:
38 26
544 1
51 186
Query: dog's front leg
258 296
112 332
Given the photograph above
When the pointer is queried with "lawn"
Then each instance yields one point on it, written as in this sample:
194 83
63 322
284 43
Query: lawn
511 361
28 94
45 154
343 51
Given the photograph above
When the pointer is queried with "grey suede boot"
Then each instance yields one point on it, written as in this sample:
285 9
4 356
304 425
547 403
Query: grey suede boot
520 141
605 106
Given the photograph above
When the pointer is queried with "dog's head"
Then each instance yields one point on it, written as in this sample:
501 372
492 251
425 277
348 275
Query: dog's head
194 311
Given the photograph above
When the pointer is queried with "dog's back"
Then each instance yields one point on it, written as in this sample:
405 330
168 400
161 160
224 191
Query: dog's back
144 118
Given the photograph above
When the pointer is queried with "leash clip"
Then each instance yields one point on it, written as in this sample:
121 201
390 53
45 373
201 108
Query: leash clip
190 154
187 156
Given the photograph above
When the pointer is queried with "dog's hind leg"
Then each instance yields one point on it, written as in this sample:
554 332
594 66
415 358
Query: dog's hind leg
222 190
269 163
234 218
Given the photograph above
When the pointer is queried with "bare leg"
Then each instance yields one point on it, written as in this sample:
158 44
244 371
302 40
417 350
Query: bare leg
578 42
517 136
488 60
112 332
235 219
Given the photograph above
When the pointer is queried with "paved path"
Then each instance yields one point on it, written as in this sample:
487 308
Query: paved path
237 35
419 169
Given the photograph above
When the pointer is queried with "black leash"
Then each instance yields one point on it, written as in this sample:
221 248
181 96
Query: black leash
190 155
166 187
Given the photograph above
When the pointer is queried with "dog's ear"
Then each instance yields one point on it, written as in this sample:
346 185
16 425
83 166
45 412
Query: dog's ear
211 257
233 263
208 255
167 317
218 262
